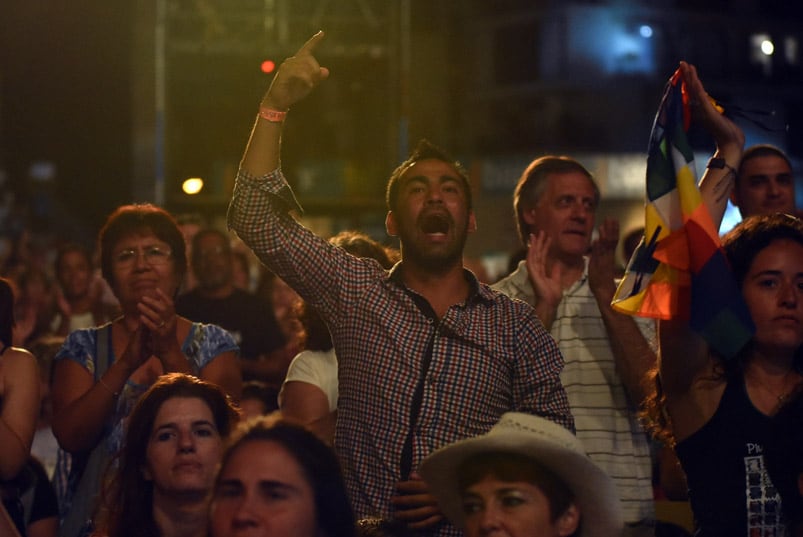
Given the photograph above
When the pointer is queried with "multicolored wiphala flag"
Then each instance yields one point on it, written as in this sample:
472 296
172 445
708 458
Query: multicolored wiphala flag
679 269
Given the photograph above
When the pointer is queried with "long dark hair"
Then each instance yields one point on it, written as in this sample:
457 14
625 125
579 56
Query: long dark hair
318 462
127 508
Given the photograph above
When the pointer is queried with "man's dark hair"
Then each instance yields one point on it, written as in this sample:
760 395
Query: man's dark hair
761 150
423 151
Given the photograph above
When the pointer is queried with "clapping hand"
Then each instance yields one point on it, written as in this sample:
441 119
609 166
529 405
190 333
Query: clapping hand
602 262
158 316
546 281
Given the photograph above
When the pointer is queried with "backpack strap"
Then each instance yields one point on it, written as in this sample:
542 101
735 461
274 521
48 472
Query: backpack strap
77 521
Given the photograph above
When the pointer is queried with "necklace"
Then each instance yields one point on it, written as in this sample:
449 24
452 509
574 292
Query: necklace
786 392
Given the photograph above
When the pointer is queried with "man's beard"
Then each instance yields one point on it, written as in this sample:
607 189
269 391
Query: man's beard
438 260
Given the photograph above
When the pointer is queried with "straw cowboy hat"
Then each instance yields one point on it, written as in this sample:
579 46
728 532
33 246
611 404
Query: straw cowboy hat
549 444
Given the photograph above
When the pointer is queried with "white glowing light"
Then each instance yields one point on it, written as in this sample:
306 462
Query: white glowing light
193 185
767 47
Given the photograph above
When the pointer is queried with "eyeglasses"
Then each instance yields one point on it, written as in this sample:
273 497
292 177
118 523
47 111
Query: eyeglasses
154 256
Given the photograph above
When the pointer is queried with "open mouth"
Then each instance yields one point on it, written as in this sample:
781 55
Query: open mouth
580 232
435 223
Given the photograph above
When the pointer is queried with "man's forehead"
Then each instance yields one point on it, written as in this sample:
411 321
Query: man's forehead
570 182
761 163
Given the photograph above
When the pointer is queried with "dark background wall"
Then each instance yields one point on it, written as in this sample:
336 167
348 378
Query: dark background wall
496 80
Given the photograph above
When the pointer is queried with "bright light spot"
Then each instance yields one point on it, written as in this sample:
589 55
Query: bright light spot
268 66
767 47
193 185
646 31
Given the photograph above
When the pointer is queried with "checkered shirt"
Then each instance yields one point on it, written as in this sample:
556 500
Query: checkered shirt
489 354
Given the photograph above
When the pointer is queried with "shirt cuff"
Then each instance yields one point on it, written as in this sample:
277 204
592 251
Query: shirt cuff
273 183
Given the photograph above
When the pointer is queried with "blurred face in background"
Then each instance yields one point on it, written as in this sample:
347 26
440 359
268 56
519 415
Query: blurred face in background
765 186
285 306
212 262
74 274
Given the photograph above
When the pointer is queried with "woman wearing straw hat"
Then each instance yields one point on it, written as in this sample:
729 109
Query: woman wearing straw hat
527 477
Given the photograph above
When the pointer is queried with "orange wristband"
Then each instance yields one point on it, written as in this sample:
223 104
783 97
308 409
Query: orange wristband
274 116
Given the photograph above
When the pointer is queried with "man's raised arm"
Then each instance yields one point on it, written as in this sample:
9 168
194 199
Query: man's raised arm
259 183
295 79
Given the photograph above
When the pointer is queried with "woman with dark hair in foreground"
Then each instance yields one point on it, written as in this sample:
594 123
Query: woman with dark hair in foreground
167 465
279 479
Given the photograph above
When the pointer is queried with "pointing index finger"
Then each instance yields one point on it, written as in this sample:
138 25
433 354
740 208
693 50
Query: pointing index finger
309 47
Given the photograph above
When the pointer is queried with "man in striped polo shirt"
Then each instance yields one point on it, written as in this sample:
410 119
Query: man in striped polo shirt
570 280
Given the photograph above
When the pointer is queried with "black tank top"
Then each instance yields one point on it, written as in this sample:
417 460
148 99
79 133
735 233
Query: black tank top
730 491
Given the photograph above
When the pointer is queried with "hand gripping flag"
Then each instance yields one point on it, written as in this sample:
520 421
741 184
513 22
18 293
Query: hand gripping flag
679 269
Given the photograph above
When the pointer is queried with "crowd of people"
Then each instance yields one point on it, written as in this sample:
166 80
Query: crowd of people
357 389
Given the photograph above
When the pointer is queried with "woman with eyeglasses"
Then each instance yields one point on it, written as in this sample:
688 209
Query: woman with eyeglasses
101 372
